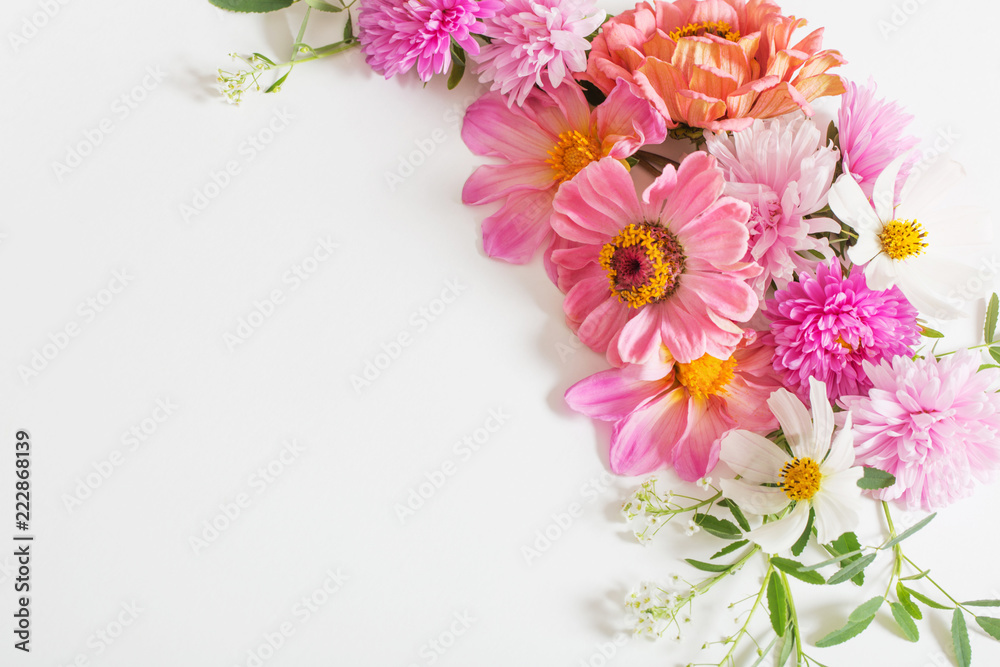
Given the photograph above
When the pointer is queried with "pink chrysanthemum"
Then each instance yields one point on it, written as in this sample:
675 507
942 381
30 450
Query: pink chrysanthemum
872 134
665 270
829 326
934 424
396 34
784 170
532 38
667 414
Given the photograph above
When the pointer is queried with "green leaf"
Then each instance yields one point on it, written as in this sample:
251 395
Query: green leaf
707 567
255 6
927 332
849 571
276 86
323 6
729 548
876 479
982 603
992 310
926 600
349 28
990 625
904 621
765 652
727 530
794 568
800 544
458 65
904 599
833 134
737 513
777 603
786 649
985 366
960 639
909 531
849 631
846 544
995 353
866 610
915 577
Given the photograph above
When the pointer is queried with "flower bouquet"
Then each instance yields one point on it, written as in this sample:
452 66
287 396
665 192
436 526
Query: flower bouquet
761 285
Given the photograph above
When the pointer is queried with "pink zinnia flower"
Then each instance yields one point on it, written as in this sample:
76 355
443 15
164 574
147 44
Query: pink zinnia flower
665 270
543 144
934 424
784 170
872 134
535 41
829 326
668 414
715 64
395 34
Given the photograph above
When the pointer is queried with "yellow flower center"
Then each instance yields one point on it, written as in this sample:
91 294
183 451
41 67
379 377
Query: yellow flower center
574 151
644 262
902 239
717 28
800 479
706 376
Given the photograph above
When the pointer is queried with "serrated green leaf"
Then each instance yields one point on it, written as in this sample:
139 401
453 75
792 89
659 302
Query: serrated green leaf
849 631
253 6
960 639
926 600
982 603
727 530
866 610
730 548
995 353
846 544
927 332
800 544
777 603
737 513
707 567
786 649
874 478
992 311
794 568
990 625
904 621
909 531
904 599
848 571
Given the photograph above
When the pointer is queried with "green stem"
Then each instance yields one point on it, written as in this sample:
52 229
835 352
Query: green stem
743 630
795 621
322 52
938 586
974 347
897 551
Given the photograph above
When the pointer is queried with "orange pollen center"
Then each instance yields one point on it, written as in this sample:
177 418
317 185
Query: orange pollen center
800 479
573 152
902 239
706 376
717 28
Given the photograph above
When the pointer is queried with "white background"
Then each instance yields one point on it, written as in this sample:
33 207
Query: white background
501 345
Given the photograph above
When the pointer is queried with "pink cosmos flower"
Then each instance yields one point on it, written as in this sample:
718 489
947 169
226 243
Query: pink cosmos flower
535 41
784 170
872 136
665 270
715 64
934 424
543 144
395 34
828 326
668 414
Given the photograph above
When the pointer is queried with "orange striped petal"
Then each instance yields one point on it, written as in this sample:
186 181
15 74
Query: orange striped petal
820 86
713 82
819 63
780 100
701 109
741 100
660 82
784 63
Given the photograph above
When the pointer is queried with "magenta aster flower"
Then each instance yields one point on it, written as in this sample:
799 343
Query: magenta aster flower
934 424
828 326
543 144
665 270
395 34
532 38
667 414
872 135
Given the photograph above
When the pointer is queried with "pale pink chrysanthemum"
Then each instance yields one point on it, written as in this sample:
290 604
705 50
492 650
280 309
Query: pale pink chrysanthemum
784 170
934 424
667 414
535 41
872 134
396 34
829 325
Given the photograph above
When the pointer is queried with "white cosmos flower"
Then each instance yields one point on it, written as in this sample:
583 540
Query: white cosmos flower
819 474
900 244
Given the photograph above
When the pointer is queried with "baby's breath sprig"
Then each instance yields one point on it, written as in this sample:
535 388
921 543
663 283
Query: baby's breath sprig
647 510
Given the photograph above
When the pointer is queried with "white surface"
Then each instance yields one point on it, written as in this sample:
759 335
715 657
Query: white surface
501 345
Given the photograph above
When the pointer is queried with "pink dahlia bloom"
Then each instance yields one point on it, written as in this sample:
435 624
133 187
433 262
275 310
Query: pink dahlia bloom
396 34
829 326
934 424
872 134
715 64
664 270
543 144
534 42
784 170
668 414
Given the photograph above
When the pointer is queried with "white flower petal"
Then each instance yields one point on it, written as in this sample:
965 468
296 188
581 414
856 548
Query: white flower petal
867 248
780 535
753 498
913 281
881 273
925 187
849 203
793 417
838 504
841 455
884 192
822 423
752 456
